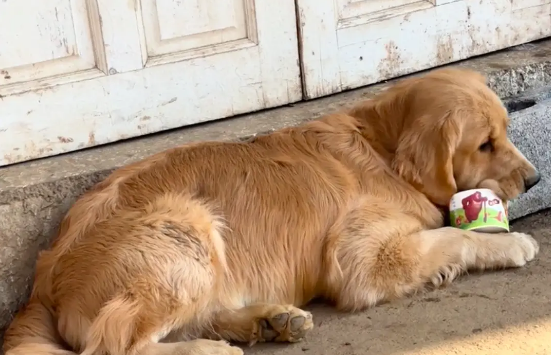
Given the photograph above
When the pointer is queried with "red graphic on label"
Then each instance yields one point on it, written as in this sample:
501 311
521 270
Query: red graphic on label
472 205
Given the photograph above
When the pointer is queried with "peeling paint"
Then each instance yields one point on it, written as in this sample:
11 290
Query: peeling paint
392 62
91 139
65 139
174 99
444 51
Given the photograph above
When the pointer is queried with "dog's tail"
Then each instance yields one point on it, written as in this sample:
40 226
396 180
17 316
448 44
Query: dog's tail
33 332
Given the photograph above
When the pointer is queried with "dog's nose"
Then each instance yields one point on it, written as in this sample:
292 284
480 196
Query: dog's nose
532 181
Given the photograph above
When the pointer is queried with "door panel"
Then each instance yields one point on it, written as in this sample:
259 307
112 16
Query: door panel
351 43
207 24
137 69
119 27
212 26
57 38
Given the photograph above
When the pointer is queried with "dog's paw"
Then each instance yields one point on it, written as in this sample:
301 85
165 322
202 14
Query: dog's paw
526 248
283 324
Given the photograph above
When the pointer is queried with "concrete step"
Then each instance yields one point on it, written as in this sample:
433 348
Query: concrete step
35 195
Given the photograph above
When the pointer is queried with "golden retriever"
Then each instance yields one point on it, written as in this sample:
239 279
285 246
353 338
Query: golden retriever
216 242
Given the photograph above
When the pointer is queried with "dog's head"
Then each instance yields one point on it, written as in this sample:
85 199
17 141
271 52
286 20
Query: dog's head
453 137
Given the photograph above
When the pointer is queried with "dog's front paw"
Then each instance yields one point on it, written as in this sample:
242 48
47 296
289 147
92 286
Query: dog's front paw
526 248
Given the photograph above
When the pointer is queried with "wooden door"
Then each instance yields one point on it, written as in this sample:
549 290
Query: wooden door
349 43
79 73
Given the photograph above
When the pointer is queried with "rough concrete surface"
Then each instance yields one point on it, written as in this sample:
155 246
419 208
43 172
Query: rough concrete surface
35 195
530 130
500 313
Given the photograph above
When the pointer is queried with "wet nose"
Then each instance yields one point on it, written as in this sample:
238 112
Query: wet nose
532 181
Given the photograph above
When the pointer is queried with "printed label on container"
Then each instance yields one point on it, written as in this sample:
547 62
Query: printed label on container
479 210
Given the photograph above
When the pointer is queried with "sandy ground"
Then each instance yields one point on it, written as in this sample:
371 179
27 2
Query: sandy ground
500 313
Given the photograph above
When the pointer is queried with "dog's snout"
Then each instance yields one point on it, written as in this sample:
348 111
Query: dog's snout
532 181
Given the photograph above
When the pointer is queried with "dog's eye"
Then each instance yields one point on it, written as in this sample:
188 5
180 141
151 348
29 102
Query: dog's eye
486 147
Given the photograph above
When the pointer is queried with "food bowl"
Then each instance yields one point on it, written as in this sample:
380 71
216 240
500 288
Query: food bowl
479 210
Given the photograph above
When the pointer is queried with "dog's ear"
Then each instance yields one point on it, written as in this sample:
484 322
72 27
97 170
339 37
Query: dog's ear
424 156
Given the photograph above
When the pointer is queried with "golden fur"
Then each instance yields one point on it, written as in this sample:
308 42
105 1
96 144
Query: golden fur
223 241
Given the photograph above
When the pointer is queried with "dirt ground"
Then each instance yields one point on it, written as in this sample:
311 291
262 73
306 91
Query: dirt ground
505 313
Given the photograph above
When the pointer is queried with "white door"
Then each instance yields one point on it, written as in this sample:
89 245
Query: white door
79 73
349 43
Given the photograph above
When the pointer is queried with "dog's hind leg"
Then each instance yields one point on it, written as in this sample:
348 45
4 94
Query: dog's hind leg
373 260
167 267
134 322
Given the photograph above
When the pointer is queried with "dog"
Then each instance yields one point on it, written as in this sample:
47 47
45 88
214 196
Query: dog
218 242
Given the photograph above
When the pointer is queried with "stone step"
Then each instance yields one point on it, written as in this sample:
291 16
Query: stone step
530 131
35 195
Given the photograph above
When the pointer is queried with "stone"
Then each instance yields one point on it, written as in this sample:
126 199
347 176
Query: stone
530 131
